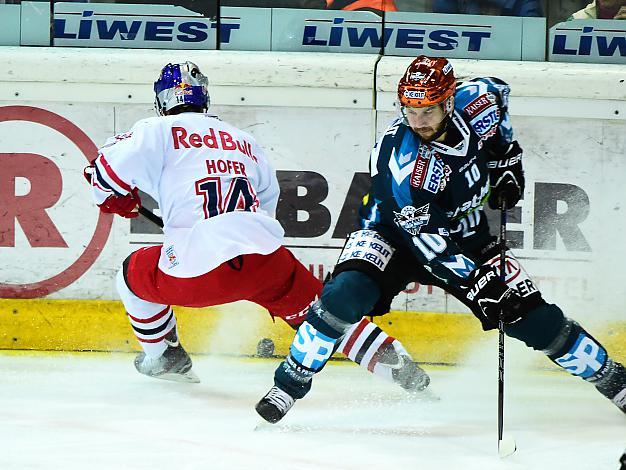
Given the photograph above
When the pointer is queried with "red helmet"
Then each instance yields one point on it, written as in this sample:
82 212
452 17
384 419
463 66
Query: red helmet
427 81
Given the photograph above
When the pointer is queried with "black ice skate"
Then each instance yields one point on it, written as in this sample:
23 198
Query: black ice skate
174 364
274 405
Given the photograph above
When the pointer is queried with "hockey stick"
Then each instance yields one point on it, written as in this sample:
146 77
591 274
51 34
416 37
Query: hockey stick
151 216
506 444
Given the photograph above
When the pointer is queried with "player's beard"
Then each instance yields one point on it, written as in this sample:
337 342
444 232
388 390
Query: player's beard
426 133
430 133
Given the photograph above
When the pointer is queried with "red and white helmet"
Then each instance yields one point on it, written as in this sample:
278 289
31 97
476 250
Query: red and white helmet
427 81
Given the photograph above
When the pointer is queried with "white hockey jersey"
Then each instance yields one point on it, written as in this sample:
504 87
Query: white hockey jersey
215 188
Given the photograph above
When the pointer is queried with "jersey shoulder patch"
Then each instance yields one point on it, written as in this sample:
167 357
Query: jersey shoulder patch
481 103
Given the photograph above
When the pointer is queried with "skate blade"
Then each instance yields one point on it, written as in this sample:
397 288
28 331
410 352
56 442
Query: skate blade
187 377
426 395
263 425
506 446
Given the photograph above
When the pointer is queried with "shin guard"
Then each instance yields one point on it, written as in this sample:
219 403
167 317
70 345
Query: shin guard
571 347
582 355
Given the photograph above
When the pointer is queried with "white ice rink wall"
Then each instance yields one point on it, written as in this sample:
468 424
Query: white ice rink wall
317 115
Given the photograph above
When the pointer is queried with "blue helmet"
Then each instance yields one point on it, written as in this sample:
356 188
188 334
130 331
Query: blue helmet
178 85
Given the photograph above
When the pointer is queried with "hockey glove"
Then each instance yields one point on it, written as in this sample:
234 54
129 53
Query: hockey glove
125 206
507 178
485 290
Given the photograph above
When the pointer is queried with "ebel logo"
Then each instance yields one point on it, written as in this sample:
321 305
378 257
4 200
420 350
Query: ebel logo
589 41
359 34
89 26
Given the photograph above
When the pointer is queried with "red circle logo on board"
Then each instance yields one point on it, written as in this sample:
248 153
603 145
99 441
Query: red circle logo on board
33 195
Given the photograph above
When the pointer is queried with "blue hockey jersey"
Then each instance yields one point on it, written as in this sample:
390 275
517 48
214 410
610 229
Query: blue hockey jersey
428 197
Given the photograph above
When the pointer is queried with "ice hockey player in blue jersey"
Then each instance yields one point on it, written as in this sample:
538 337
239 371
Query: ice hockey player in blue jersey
435 167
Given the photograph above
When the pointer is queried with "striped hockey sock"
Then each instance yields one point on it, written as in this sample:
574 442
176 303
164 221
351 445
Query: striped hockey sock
383 355
151 328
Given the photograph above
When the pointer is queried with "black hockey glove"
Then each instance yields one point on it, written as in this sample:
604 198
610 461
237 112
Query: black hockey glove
491 295
507 177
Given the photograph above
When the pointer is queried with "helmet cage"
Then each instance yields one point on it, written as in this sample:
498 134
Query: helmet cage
179 85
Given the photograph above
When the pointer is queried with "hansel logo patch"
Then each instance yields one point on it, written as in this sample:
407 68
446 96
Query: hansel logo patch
411 219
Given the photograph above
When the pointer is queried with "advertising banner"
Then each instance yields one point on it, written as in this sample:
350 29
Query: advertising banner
158 27
10 25
465 36
565 231
409 34
602 41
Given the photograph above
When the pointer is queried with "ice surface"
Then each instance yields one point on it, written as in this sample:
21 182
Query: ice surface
93 411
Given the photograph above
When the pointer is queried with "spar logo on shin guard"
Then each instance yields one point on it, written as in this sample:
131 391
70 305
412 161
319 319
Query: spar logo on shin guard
311 348
585 358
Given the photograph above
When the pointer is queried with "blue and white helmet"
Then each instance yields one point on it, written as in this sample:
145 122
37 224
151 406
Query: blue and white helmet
178 85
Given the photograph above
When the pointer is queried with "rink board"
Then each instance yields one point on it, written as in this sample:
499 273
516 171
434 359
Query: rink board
235 329
317 116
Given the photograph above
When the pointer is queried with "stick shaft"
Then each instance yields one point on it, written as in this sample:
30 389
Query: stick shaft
155 219
501 326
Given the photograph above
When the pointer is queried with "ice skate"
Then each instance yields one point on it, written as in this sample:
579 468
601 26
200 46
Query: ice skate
404 370
274 405
612 384
174 364
410 376
620 400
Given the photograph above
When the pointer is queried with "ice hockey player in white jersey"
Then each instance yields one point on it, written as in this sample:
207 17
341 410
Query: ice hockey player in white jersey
217 194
